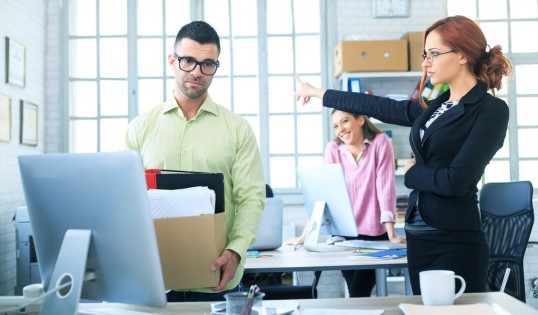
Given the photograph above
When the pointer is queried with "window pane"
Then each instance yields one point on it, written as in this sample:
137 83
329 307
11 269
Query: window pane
496 34
527 111
112 17
84 23
497 171
245 56
528 170
280 55
244 18
306 16
525 82
281 94
82 136
282 10
150 94
220 92
113 58
527 142
310 160
113 134
521 42
151 57
523 9
114 96
177 13
308 54
309 134
82 58
491 9
282 174
461 7
282 134
150 17
246 96
216 14
82 99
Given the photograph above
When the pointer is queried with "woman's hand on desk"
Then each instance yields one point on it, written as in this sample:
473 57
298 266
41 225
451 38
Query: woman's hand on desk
299 240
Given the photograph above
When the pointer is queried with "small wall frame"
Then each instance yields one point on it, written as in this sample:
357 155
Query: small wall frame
15 63
28 130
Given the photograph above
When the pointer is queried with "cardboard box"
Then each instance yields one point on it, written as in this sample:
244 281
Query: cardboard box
189 245
416 48
371 55
187 248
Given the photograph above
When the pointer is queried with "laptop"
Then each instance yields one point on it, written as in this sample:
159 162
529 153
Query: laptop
269 235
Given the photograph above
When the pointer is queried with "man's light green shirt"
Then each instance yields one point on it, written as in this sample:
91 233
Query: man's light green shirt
215 140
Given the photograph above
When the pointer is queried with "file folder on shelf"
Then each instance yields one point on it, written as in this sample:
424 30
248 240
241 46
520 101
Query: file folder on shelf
170 179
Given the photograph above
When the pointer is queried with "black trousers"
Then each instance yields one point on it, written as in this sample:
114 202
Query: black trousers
465 253
360 283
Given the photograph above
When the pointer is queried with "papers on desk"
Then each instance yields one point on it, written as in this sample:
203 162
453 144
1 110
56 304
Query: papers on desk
467 309
192 201
380 254
332 311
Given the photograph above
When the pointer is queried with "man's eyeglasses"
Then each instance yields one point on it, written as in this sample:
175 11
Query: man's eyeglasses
188 64
430 57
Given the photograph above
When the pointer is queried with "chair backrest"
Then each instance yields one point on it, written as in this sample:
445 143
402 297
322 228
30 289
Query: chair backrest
507 218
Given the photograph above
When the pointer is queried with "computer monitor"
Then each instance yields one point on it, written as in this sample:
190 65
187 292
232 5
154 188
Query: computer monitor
327 204
90 215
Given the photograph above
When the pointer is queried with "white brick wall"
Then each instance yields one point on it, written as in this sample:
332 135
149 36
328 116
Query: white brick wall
27 22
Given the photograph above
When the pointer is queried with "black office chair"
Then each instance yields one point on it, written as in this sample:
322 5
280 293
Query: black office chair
274 285
507 218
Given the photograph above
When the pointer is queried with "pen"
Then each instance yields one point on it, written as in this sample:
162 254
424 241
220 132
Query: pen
251 297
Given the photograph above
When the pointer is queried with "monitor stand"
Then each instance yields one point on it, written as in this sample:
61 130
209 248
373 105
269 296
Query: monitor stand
70 267
311 240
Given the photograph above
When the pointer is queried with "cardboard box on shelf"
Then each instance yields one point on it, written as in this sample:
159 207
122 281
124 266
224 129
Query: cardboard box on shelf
416 48
370 55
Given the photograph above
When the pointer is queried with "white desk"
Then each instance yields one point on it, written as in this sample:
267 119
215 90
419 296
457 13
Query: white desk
285 259
389 304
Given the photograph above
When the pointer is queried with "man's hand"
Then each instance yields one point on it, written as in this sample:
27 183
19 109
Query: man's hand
227 262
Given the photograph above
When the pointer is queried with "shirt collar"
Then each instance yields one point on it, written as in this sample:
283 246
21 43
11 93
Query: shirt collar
207 106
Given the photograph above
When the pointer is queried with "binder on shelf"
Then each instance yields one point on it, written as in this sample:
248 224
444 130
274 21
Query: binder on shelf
172 179
354 85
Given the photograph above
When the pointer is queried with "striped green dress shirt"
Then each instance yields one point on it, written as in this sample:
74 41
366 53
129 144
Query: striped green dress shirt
215 140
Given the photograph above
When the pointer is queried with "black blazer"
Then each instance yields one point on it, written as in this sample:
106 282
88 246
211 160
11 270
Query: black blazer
452 155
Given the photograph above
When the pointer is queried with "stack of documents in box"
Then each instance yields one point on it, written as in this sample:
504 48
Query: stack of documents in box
181 202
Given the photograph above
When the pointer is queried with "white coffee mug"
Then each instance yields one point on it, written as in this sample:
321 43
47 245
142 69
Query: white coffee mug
438 286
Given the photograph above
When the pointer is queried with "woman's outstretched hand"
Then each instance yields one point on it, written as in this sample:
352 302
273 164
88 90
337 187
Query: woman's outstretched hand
307 91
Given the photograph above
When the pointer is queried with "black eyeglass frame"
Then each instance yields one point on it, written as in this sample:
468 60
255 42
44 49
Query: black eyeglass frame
434 55
197 63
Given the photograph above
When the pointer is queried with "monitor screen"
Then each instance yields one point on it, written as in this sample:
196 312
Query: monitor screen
325 186
105 194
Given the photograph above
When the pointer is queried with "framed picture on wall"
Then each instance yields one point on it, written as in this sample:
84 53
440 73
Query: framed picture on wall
28 131
15 63
5 118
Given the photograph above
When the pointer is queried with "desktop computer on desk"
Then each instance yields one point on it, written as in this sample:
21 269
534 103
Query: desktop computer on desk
27 267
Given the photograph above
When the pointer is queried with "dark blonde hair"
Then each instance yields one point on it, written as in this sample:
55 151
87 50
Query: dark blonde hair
369 129
465 36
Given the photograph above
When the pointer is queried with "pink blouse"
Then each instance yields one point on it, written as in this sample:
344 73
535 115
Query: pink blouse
370 182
